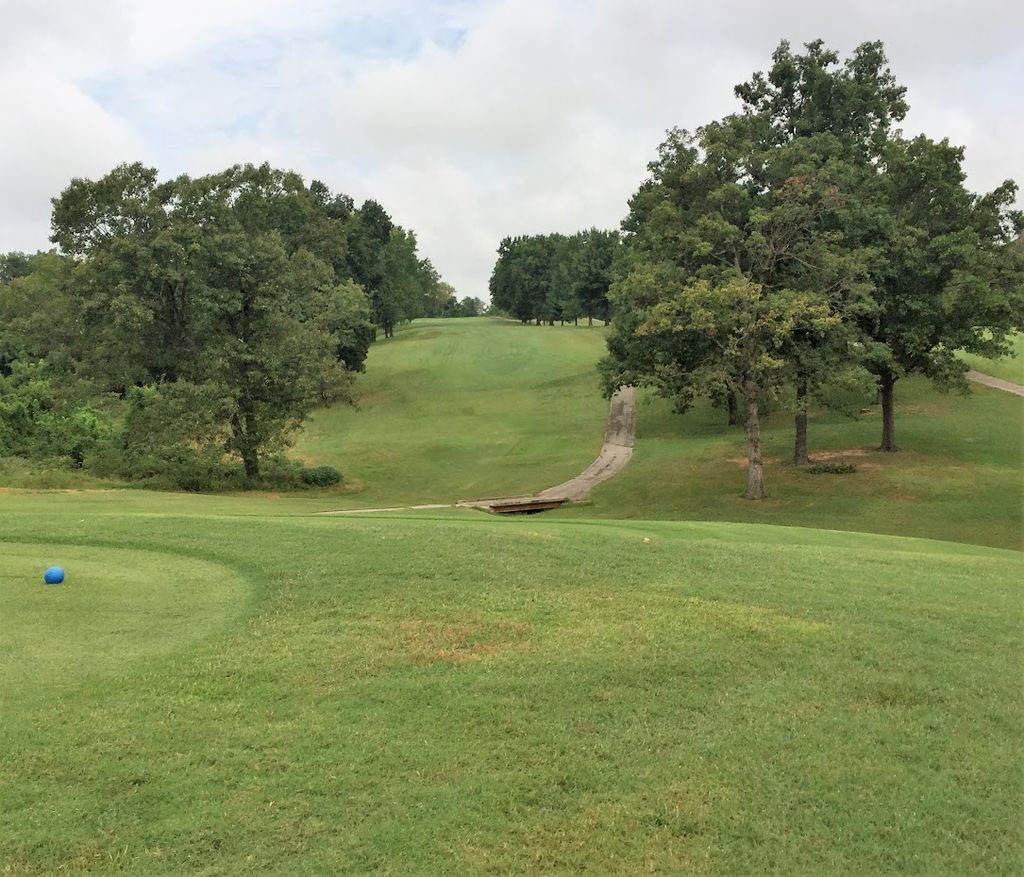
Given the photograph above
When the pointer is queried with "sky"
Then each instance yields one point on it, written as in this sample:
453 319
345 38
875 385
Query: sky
468 120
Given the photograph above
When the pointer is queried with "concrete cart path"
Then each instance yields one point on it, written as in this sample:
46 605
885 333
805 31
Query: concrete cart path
997 383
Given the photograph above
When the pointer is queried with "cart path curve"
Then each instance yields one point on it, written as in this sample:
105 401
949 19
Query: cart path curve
616 451
997 383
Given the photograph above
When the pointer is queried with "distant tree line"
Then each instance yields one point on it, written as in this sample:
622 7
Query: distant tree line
451 306
181 323
554 277
802 243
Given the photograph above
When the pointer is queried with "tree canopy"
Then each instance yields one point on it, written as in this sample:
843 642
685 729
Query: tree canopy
554 277
803 236
220 309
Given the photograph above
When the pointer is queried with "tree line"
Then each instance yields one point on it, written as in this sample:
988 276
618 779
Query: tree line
804 242
184 322
554 277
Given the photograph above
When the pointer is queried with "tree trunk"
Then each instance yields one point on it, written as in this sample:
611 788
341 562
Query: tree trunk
734 408
755 465
590 320
885 385
800 445
246 449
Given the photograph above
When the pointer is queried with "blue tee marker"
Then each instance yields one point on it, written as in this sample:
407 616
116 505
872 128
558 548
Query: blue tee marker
53 576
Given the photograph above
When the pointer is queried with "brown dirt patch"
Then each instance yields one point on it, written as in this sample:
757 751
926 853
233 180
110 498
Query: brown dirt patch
841 454
426 641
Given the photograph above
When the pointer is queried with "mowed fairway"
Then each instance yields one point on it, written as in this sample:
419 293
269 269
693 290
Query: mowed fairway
459 409
228 694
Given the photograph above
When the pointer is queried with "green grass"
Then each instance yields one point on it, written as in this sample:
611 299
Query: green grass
217 690
957 477
232 685
460 409
1007 368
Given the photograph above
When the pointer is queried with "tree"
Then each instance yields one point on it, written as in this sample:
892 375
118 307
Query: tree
848 110
37 319
472 307
348 316
14 265
746 326
943 275
190 280
727 263
532 278
437 299
593 255
521 277
948 277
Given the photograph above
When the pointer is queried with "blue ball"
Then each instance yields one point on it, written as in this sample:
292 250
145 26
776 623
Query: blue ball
53 576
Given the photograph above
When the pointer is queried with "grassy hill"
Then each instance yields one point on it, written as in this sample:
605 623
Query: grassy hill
464 408
1009 369
457 409
218 690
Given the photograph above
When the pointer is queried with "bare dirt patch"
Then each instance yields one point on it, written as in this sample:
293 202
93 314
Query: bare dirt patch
842 453
427 641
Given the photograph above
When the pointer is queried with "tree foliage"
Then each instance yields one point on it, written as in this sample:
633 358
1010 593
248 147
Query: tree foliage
554 277
733 253
220 309
803 238
943 275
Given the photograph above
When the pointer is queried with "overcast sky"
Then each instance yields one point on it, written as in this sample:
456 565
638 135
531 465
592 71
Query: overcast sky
467 119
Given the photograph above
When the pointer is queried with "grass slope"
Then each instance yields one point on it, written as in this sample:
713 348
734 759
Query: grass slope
1007 368
463 694
458 409
958 476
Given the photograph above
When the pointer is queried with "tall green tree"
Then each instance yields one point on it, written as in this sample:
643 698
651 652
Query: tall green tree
949 278
37 318
593 255
943 274
728 261
848 109
190 280
534 277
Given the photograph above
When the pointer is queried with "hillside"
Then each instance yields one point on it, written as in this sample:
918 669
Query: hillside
957 476
458 409
454 409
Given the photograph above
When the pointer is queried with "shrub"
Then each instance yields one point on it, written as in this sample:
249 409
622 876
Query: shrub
830 469
321 476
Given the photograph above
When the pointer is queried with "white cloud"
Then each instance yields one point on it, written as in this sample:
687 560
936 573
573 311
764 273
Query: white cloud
542 117
62 133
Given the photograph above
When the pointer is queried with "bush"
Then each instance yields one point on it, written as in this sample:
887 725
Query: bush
321 476
830 469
